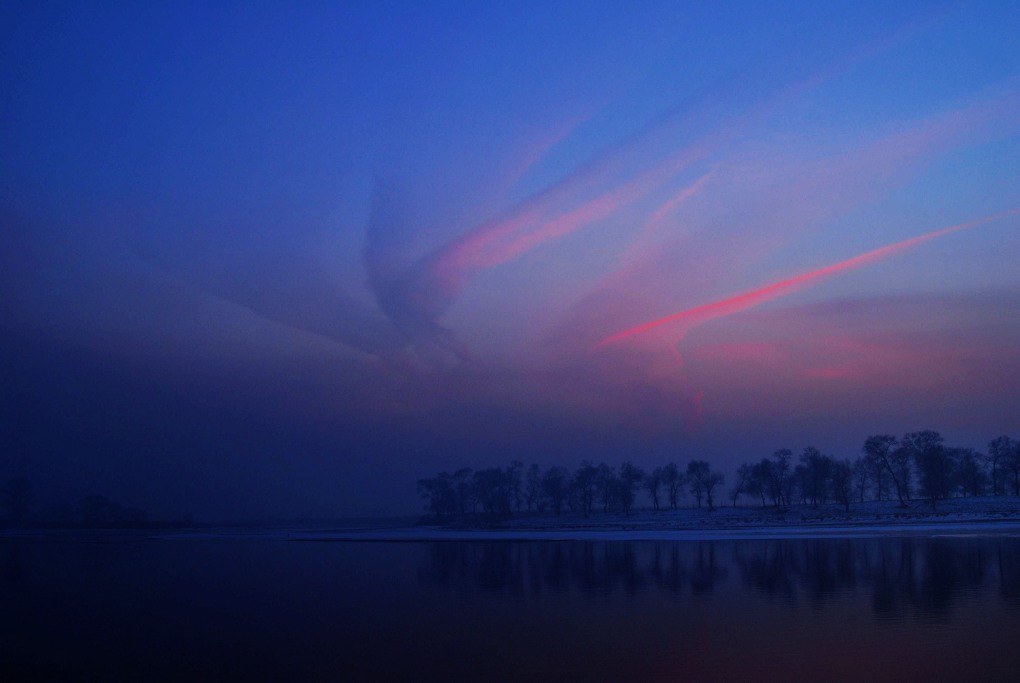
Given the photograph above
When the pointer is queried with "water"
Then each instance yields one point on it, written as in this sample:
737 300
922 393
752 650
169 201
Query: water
129 607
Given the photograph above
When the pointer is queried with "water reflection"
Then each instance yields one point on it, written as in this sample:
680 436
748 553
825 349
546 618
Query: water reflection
925 575
897 574
895 609
592 570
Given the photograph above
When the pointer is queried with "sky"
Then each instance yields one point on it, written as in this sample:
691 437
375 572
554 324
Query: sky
279 260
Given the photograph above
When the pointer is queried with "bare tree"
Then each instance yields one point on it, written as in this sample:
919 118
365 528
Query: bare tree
862 474
439 494
606 484
1001 454
673 481
878 472
703 481
1014 468
697 471
970 475
756 483
653 482
585 482
933 461
841 478
782 470
515 485
814 468
533 487
802 477
713 480
554 487
494 489
775 477
743 482
884 449
769 482
630 476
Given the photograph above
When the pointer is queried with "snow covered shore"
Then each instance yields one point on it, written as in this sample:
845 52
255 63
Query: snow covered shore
955 517
432 534
982 509
986 516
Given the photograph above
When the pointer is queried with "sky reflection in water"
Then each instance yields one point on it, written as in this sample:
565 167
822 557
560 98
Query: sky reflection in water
844 609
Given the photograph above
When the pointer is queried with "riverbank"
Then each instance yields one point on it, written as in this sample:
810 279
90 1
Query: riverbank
985 516
976 510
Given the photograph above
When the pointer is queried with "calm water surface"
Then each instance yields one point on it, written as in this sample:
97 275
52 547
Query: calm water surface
125 607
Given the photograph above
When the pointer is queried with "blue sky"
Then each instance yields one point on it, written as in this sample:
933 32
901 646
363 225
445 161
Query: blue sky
392 236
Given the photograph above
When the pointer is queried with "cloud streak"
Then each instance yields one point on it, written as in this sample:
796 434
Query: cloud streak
740 302
417 297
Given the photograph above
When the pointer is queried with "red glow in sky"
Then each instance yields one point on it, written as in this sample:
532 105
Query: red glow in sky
745 300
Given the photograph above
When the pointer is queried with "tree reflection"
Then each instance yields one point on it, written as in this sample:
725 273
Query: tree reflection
590 569
1007 565
925 576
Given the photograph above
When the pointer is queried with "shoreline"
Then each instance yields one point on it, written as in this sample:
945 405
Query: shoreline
957 529
985 528
985 516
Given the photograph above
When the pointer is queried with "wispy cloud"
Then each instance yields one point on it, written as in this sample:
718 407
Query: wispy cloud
734 304
691 134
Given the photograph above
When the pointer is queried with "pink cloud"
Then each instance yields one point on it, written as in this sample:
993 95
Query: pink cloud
679 198
537 150
740 302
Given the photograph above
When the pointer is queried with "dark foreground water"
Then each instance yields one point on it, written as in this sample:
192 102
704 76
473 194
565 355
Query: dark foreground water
129 608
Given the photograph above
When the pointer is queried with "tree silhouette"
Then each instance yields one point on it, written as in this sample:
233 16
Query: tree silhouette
882 449
933 462
703 481
743 481
841 476
653 483
438 492
713 480
970 476
533 487
630 476
780 472
585 482
697 472
1015 468
554 487
862 474
1001 454
814 470
878 473
921 457
673 480
605 483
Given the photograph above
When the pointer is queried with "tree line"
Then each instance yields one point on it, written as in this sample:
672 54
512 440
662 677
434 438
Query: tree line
589 488
916 465
18 509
